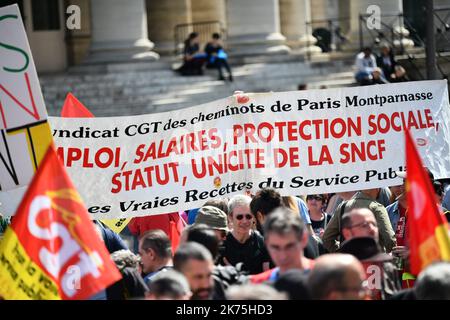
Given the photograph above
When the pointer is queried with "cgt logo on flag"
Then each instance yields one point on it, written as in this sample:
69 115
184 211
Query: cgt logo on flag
51 237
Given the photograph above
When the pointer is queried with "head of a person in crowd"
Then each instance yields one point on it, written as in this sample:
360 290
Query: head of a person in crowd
194 38
399 71
433 283
291 203
263 203
295 284
302 86
337 276
170 285
155 250
240 215
398 190
254 292
221 203
315 202
195 262
285 239
184 233
214 218
359 222
204 235
438 191
367 52
215 37
125 259
385 49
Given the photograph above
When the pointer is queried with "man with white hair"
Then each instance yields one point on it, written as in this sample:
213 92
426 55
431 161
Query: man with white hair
243 243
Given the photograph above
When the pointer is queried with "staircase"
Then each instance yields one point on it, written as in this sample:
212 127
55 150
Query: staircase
151 87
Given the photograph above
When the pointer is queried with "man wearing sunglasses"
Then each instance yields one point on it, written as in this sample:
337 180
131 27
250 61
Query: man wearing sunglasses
243 243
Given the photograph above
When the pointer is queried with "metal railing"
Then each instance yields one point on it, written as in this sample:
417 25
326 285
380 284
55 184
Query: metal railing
204 29
392 34
328 33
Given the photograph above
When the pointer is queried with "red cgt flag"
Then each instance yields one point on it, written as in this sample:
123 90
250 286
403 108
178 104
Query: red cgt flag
51 250
73 108
429 240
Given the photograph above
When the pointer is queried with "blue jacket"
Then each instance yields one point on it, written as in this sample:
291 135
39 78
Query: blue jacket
394 214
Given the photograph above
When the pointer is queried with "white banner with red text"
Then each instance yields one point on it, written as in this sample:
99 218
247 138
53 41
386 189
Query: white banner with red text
302 142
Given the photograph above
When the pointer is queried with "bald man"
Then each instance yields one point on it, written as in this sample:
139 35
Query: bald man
337 277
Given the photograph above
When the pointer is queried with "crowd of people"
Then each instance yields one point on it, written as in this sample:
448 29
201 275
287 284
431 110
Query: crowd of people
212 57
351 245
381 69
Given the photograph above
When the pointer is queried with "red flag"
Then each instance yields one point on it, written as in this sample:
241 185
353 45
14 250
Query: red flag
429 240
73 108
52 246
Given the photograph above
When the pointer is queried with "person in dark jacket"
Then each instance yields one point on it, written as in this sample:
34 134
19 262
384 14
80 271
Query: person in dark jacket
386 62
216 57
193 59
131 286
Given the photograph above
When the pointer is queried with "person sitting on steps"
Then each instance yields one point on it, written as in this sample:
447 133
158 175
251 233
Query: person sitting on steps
193 59
216 57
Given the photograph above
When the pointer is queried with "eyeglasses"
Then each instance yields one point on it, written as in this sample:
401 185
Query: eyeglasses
365 225
247 216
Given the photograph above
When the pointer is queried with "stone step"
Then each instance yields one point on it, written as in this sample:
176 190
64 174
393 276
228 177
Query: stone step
214 88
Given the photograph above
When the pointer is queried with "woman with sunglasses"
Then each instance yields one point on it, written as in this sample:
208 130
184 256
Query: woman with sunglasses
244 244
319 218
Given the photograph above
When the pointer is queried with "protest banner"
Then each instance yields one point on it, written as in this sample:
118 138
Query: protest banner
73 108
52 250
25 133
300 142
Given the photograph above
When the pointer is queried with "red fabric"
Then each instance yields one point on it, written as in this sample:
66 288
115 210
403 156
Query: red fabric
73 108
170 223
56 232
427 230
265 276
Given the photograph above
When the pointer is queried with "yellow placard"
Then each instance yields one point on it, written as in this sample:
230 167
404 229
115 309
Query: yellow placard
116 225
20 277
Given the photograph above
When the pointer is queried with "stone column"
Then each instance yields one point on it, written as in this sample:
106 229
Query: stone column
294 14
119 32
79 40
209 10
163 17
254 28
391 7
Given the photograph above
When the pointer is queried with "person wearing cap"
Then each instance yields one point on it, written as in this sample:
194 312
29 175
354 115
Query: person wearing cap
363 199
243 244
214 218
360 231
